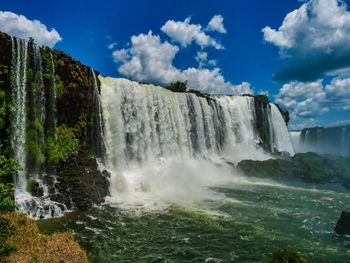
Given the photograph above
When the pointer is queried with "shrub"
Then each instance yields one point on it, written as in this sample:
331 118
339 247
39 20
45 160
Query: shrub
8 168
178 86
65 143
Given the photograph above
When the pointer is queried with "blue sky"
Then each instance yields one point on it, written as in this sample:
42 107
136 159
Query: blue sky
295 51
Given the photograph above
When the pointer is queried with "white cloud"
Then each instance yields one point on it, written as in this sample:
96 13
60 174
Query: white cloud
244 88
148 59
202 59
186 33
311 99
20 26
264 92
112 45
339 123
314 39
216 24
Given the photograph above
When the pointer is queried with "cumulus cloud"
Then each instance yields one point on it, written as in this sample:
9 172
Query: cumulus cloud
314 39
149 59
22 27
311 99
216 24
186 33
202 59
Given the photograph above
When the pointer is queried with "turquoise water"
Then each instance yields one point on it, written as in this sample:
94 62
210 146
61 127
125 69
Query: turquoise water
238 223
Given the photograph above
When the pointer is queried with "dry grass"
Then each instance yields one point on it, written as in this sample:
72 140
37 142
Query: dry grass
34 247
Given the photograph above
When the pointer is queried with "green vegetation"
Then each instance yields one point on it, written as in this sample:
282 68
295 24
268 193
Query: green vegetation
34 146
61 147
178 86
5 105
286 256
8 169
59 86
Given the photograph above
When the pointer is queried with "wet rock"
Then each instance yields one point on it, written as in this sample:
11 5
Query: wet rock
80 179
343 225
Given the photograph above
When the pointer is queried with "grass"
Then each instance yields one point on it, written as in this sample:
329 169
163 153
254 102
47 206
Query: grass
36 248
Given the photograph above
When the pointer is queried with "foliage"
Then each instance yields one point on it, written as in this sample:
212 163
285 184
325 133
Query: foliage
34 247
286 256
33 146
8 168
59 86
178 86
65 143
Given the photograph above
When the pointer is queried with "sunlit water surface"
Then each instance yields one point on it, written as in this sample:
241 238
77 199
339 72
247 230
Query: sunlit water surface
239 223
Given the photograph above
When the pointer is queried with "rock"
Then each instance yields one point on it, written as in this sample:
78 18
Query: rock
80 179
307 167
343 225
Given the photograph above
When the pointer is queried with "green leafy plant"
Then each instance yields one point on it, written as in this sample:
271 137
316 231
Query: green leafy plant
65 143
8 168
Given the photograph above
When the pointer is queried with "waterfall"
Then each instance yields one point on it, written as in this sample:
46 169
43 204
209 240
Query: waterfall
281 140
52 119
19 95
332 140
29 115
146 126
97 129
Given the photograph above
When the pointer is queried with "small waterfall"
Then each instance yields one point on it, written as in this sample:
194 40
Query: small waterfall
332 140
97 129
146 126
52 118
281 141
29 115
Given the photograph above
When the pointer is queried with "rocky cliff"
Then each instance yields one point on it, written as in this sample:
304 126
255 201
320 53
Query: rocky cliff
61 122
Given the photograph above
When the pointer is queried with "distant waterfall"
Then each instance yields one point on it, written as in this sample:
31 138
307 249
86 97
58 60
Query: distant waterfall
332 140
28 135
145 122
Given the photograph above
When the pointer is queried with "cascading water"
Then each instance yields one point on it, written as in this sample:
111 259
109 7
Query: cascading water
332 140
281 140
152 133
97 129
28 133
19 94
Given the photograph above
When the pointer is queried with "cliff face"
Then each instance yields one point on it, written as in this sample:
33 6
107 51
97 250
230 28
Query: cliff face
60 107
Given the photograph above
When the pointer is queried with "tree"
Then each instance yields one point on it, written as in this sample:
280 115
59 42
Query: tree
178 86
